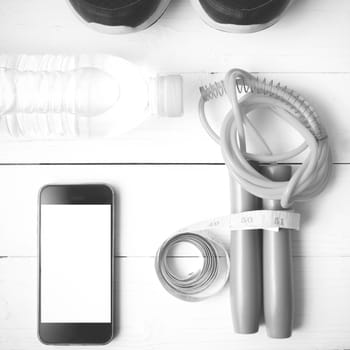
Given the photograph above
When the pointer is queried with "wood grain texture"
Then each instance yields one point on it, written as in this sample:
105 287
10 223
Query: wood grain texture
308 50
312 37
304 50
183 140
149 318
156 201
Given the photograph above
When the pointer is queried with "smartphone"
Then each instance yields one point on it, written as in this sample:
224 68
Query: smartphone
76 254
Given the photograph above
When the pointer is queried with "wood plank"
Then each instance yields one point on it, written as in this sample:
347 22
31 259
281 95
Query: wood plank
156 201
149 318
311 37
183 140
307 50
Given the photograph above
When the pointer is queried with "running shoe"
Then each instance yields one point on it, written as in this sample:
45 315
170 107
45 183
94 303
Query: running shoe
119 16
241 15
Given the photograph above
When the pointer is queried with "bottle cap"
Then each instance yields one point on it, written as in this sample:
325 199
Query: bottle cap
167 95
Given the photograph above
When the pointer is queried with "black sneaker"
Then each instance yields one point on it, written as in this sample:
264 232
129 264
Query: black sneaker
241 15
120 16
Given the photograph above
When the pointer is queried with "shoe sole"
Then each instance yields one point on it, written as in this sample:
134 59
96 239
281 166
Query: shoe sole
124 29
235 28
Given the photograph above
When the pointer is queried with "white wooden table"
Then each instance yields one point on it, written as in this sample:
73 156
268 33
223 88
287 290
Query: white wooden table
168 174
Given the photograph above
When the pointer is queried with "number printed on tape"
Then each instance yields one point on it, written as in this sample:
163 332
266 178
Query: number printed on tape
257 219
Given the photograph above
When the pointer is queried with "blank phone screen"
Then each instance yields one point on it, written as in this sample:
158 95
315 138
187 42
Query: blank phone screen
75 263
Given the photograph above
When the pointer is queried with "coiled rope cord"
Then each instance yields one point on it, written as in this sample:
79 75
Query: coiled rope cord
310 178
196 282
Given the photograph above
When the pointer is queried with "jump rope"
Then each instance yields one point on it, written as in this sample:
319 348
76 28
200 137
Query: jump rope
260 271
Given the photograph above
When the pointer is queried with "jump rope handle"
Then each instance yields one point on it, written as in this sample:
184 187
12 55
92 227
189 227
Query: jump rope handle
245 271
277 267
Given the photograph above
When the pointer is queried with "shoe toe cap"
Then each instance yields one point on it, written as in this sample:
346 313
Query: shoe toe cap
244 12
129 13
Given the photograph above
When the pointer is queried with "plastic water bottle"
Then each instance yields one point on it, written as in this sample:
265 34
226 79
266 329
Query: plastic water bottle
53 96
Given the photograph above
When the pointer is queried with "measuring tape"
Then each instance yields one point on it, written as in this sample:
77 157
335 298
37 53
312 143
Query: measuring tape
272 220
213 275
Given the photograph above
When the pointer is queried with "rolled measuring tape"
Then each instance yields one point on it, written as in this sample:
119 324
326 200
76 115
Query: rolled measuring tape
209 279
213 274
